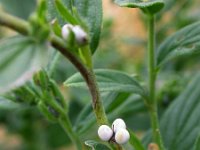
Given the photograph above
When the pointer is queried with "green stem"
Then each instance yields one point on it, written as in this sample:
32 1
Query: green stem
65 123
88 75
97 103
14 23
152 79
118 147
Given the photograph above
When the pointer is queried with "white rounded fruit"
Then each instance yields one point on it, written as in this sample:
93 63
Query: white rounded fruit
122 136
118 124
80 35
66 31
105 132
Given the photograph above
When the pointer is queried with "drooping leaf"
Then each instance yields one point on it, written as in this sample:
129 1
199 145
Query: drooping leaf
20 57
184 42
95 145
180 125
148 6
108 80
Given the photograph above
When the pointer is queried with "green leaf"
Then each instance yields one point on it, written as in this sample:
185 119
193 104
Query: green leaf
25 94
7 104
115 104
19 8
91 12
197 144
95 145
52 14
180 125
109 80
184 42
20 57
65 13
148 6
135 142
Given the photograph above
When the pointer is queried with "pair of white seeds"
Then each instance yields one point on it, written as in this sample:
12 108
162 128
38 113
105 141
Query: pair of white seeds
118 133
79 33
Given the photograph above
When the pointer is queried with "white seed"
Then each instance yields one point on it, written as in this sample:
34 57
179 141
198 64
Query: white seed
118 124
105 132
66 29
80 35
122 136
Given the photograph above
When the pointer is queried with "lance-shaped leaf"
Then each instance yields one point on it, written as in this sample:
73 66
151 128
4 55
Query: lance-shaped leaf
109 80
148 6
20 57
90 11
53 14
197 144
180 125
65 13
95 145
184 42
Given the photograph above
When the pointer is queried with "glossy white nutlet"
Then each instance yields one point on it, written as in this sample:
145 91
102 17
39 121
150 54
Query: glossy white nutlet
80 35
122 136
105 132
118 124
66 29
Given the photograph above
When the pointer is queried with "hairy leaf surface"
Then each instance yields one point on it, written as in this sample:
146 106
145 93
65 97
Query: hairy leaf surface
184 42
20 57
108 80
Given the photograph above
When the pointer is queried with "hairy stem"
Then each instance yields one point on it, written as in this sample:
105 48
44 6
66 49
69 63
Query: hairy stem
152 79
89 77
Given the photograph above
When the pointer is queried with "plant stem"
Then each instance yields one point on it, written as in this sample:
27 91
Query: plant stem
89 77
65 123
97 104
118 147
152 79
14 23
22 27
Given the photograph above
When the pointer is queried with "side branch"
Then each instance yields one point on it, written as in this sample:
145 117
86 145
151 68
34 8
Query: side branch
22 27
14 23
